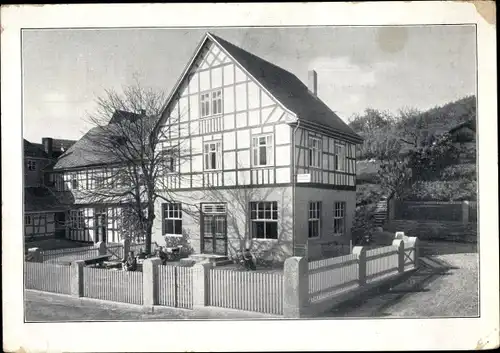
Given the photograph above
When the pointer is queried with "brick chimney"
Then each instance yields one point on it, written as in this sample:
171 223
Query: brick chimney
48 146
313 82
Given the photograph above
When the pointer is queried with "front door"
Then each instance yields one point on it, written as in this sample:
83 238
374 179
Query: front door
100 225
214 234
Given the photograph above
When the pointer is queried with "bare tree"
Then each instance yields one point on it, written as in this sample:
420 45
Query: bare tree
136 168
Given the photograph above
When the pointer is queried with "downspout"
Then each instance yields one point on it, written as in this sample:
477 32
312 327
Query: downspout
294 180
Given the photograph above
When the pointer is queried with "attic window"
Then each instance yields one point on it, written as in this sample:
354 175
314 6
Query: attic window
211 103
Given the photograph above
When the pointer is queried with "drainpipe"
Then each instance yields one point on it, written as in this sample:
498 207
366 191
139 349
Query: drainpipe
294 180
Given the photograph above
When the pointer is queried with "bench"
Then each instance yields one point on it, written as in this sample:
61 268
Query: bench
98 260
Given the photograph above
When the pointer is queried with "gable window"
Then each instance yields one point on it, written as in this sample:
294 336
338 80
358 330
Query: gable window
212 155
314 219
31 165
211 103
314 152
264 219
262 150
172 219
339 157
339 218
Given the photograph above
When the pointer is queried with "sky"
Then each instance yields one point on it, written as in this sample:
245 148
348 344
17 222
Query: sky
386 68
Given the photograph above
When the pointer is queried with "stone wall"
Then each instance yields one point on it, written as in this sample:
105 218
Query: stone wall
434 230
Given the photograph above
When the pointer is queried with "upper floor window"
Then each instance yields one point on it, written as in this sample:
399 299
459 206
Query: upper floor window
172 218
314 152
262 150
99 182
211 103
212 155
168 161
31 165
314 219
339 218
339 157
264 217
28 220
74 182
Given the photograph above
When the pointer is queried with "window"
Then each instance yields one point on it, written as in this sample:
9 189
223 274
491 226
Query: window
169 161
314 219
99 182
212 155
172 218
339 218
211 103
74 182
28 220
264 220
262 150
314 152
77 219
31 165
339 157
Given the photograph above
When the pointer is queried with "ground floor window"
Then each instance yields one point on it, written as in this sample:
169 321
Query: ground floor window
39 224
77 219
314 219
264 219
339 218
172 218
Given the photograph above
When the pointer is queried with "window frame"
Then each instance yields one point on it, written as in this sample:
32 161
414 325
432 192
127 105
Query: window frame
339 155
336 217
217 152
256 148
28 220
315 151
174 213
314 215
256 212
31 165
210 99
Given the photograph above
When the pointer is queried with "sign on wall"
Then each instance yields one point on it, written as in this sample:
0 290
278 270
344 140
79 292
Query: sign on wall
303 178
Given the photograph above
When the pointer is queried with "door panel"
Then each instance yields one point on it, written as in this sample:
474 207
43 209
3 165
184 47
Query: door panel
214 237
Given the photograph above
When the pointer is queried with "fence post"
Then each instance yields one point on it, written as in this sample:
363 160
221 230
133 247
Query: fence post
35 255
465 212
125 248
77 278
360 252
201 273
296 287
101 247
400 245
150 281
416 245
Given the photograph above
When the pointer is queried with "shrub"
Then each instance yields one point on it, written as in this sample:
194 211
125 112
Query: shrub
444 190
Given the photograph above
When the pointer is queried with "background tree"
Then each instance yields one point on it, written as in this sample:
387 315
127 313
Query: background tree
137 164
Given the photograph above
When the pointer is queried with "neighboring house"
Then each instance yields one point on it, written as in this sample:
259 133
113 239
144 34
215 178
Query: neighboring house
269 164
44 213
78 175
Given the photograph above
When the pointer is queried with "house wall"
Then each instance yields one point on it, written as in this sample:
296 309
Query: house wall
37 225
34 177
327 197
247 111
238 223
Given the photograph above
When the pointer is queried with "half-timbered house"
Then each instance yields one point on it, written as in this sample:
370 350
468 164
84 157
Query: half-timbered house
265 162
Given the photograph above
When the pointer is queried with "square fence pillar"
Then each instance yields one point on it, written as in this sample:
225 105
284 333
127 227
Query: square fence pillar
465 212
35 255
150 281
296 287
415 242
201 273
101 247
77 278
125 247
361 255
400 245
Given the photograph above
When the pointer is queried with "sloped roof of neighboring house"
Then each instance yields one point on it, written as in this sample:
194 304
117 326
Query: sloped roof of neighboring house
32 150
288 89
284 86
470 124
41 199
90 151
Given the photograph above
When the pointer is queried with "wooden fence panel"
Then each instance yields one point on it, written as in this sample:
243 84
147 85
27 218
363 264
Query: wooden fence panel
47 277
381 262
252 291
118 286
175 286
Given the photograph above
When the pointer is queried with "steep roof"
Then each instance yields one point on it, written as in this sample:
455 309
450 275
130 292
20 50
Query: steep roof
288 89
90 149
41 199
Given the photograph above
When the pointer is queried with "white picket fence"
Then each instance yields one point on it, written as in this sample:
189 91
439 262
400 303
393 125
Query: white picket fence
118 286
332 276
252 291
175 286
69 254
381 262
47 277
